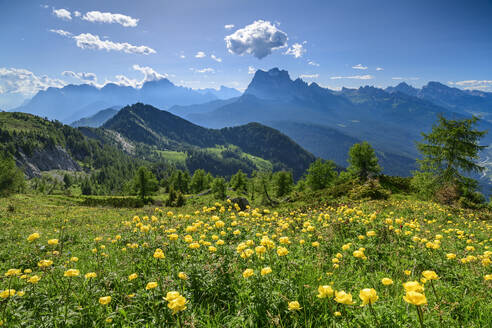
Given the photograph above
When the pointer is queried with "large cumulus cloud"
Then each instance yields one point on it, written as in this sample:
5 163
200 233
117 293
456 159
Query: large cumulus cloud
258 39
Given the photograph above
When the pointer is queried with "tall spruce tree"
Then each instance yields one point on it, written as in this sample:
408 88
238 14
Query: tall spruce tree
363 161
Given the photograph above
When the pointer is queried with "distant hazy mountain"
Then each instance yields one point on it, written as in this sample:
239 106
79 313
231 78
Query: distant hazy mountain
221 93
149 125
74 102
97 119
461 101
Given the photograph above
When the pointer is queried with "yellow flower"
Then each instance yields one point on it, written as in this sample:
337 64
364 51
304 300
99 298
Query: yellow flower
53 242
71 273
371 233
282 251
151 285
325 291
34 279
407 272
173 236
368 296
74 259
90 275
13 272
182 276
413 286
212 249
132 276
45 263
159 254
265 271
415 298
337 314
248 273
104 300
194 245
260 250
21 293
176 302
294 306
430 275
450 256
6 293
487 277
387 281
33 237
358 254
27 271
315 244
343 298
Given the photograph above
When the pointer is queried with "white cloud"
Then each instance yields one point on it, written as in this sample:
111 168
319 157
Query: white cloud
484 85
251 70
61 32
25 82
149 73
200 54
83 76
359 66
379 69
313 63
217 59
125 81
62 13
399 78
203 70
182 56
258 39
110 18
309 76
296 50
229 26
90 41
354 77
77 13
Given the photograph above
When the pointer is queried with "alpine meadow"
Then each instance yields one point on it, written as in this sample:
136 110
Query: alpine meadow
206 164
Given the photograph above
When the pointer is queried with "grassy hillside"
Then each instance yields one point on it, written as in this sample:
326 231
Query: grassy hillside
114 267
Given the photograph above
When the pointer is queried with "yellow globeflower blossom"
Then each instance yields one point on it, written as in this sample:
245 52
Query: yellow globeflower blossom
132 276
325 291
248 273
265 271
387 281
413 286
371 233
13 272
151 285
27 271
182 276
6 293
53 242
407 272
450 256
176 302
21 293
34 279
90 275
71 273
337 314
282 251
430 275
159 254
343 298
294 306
45 263
33 237
368 296
212 249
487 277
104 300
415 298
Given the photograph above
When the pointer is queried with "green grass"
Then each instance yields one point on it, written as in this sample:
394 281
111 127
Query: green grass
217 294
172 156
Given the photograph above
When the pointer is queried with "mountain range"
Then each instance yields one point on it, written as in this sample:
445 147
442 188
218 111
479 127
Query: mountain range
73 102
324 122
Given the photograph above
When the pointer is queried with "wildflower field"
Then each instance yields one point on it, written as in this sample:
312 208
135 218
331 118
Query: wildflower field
395 263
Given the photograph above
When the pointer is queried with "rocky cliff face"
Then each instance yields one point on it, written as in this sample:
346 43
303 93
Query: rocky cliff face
55 158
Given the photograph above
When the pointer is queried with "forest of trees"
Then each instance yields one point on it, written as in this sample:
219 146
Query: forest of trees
449 154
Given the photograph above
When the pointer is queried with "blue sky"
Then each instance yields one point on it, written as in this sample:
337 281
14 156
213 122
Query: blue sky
334 43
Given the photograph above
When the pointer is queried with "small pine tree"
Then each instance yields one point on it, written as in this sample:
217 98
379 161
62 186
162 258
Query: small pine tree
219 188
363 161
199 181
67 181
239 181
11 177
283 183
320 174
180 200
86 187
145 183
172 197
